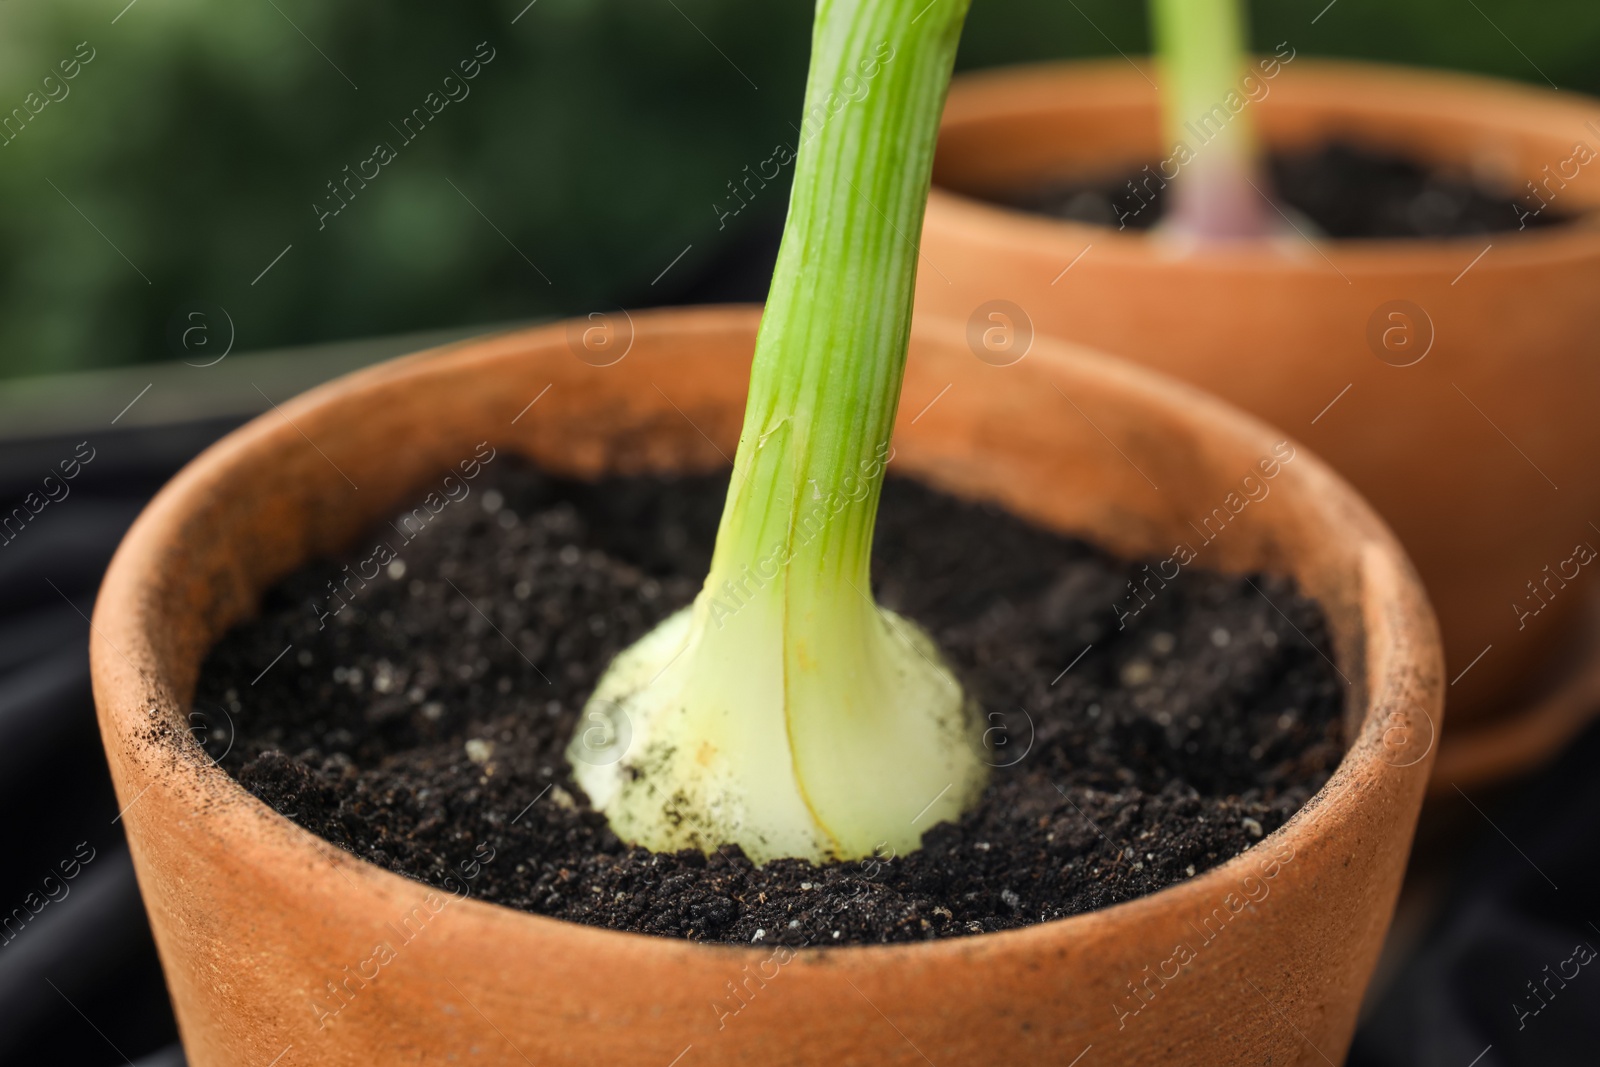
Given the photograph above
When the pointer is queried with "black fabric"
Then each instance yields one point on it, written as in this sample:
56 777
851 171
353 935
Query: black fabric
1493 978
79 980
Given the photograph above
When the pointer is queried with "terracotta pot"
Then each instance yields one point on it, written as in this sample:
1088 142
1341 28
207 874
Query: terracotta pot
1565 698
1463 451
253 915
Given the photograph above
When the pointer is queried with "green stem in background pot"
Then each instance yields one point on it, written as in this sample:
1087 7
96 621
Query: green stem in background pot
784 711
1218 193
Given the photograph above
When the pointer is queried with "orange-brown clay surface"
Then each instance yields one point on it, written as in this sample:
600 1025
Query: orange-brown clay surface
1478 453
1261 960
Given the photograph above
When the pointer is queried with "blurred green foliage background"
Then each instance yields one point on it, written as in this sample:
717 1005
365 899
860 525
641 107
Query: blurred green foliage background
591 151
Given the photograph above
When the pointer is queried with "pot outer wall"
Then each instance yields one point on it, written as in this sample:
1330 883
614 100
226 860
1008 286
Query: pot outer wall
254 917
1452 381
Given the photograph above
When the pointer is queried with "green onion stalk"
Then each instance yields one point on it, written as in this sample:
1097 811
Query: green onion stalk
1219 192
785 711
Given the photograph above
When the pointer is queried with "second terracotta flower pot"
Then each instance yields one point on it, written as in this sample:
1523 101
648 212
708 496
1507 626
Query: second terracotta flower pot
1453 381
1262 959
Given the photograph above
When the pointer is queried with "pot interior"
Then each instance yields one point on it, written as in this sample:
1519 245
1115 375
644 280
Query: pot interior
1072 441
1016 128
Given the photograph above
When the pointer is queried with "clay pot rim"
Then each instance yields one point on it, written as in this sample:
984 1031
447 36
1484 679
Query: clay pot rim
117 642
1340 87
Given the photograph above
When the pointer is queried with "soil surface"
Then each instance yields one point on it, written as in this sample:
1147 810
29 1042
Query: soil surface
1339 190
423 727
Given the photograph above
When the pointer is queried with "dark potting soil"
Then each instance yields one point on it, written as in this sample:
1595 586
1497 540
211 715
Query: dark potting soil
1343 190
423 728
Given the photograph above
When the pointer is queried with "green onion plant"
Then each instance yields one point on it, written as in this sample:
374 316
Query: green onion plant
1218 192
785 711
